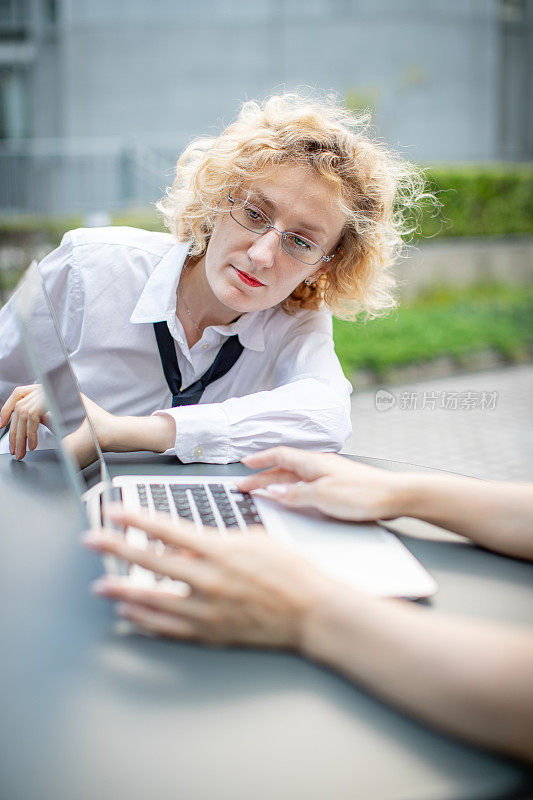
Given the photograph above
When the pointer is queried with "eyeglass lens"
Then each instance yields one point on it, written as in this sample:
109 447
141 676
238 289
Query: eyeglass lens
254 220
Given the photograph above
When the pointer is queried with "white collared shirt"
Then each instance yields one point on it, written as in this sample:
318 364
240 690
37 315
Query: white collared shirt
109 285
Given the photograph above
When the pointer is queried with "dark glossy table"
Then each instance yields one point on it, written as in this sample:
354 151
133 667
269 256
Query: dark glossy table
90 714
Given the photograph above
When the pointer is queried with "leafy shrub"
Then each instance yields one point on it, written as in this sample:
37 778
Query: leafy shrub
480 200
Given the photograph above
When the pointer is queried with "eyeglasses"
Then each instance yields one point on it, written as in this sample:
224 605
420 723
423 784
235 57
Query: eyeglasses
253 219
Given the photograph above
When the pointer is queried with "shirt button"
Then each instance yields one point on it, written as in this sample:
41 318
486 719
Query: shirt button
198 451
206 346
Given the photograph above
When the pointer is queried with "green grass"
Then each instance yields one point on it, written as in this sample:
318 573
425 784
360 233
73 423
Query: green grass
447 322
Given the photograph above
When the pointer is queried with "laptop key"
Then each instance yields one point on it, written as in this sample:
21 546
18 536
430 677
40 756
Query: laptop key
143 498
249 511
209 520
184 511
225 510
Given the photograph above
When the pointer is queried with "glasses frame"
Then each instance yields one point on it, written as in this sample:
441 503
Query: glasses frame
283 234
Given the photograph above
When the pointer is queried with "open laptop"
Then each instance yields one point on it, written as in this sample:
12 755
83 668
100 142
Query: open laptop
363 555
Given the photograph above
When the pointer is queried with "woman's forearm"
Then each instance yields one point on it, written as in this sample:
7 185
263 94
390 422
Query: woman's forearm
468 678
128 434
494 514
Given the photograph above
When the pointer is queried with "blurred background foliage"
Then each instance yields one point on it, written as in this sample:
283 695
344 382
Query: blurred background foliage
479 200
468 326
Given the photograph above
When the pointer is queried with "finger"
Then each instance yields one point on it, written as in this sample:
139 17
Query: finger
159 622
178 567
262 479
305 464
21 433
18 429
34 419
156 598
29 414
8 407
13 431
296 495
177 534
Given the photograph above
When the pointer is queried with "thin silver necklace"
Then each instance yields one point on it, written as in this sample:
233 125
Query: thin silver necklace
188 310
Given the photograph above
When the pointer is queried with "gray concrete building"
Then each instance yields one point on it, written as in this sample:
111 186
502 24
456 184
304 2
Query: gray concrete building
97 98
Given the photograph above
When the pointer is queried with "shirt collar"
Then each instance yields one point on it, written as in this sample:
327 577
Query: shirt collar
158 298
158 301
249 328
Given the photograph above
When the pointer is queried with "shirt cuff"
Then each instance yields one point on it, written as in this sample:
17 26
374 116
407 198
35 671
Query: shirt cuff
202 433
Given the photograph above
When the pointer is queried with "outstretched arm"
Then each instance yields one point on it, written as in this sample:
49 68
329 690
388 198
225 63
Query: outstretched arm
496 515
469 678
493 514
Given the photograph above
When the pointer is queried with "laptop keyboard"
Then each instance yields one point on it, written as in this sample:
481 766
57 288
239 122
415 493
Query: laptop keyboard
214 505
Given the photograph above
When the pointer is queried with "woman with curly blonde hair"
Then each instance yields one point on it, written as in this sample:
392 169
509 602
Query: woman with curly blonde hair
221 329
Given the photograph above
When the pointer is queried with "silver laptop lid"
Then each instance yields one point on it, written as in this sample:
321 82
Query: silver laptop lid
50 363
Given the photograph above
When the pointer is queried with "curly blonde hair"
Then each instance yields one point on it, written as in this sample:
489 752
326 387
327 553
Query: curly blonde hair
376 189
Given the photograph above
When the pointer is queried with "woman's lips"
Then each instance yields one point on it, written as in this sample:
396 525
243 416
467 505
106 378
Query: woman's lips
247 279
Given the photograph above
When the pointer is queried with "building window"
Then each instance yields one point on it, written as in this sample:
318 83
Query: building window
13 117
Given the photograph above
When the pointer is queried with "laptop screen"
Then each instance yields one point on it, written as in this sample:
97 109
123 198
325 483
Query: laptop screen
68 426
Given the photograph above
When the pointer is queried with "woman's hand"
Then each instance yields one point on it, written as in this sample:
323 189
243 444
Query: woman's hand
243 590
334 485
26 409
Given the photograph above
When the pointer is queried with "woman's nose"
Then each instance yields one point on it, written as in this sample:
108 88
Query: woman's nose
264 249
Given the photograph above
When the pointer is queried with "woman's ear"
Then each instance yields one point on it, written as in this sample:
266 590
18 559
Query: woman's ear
319 272
315 276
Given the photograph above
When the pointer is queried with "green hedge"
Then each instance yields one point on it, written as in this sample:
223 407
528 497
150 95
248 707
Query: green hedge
480 200
477 200
447 322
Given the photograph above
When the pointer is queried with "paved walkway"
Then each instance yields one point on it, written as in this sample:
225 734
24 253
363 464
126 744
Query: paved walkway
476 424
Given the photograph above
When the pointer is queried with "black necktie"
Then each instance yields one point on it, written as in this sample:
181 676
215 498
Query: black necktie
226 358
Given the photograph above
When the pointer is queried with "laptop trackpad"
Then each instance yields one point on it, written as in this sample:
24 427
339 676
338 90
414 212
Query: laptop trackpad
361 554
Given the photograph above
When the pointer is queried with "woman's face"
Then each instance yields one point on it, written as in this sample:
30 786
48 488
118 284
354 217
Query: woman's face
249 272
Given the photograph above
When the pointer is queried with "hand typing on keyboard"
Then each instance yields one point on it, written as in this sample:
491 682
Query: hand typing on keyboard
250 590
220 574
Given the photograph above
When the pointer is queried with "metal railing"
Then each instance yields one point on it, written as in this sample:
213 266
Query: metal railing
59 176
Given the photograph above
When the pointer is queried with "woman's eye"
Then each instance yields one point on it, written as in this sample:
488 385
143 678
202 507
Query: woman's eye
252 213
301 243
